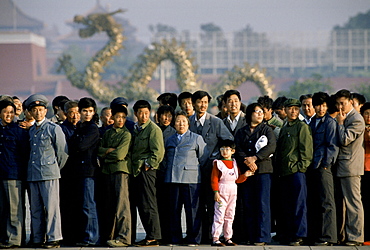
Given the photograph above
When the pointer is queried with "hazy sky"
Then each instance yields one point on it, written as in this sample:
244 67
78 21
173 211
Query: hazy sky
231 15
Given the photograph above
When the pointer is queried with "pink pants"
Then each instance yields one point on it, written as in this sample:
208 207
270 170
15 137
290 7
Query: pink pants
224 214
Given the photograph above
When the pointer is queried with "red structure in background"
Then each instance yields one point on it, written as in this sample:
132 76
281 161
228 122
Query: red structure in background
23 58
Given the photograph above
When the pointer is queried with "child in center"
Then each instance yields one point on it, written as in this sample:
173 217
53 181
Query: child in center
225 175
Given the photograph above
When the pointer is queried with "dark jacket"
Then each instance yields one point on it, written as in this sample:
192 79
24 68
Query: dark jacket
68 129
241 123
325 142
14 152
246 146
68 170
83 147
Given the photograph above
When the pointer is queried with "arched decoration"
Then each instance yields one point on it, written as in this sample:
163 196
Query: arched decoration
91 79
136 85
141 72
234 78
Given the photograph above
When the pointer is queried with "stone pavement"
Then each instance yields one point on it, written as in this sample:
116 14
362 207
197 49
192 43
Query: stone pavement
141 235
272 245
240 247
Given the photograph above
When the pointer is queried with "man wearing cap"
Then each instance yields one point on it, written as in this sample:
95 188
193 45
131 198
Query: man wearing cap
113 150
48 155
293 156
121 101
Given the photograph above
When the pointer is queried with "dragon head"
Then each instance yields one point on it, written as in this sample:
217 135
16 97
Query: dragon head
96 22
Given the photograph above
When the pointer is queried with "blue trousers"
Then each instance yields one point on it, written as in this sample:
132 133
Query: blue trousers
186 195
89 231
256 198
45 211
294 206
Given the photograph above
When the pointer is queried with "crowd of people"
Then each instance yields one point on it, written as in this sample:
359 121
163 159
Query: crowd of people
297 167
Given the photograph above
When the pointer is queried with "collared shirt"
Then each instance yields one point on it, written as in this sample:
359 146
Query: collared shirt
234 122
137 127
201 120
39 123
307 119
179 136
350 111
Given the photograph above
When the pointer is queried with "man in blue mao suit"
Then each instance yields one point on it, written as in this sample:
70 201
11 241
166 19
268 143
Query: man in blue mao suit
48 155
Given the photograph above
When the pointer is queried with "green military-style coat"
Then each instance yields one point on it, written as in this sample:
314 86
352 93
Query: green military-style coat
294 148
147 146
118 160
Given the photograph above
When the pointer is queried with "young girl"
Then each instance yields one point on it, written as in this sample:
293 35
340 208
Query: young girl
225 175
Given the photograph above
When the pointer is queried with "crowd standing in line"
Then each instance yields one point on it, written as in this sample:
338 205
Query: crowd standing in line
297 167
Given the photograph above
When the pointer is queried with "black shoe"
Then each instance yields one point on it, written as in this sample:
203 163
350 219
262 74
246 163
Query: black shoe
52 244
147 243
296 242
323 243
353 243
230 243
217 244
8 246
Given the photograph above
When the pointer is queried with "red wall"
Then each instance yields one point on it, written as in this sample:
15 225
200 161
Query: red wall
21 63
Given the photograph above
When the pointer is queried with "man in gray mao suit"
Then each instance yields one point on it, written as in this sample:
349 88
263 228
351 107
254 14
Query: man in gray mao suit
49 153
212 129
350 166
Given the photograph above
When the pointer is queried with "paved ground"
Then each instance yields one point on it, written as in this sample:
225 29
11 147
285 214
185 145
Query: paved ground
207 247
273 246
141 235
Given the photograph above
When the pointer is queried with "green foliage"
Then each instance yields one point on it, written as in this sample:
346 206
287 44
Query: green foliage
364 89
210 27
360 21
159 28
309 86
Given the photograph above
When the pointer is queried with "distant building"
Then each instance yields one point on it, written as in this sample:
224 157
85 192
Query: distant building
23 58
217 52
13 19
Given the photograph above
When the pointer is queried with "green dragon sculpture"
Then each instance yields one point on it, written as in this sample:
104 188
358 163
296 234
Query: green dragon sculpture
136 85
